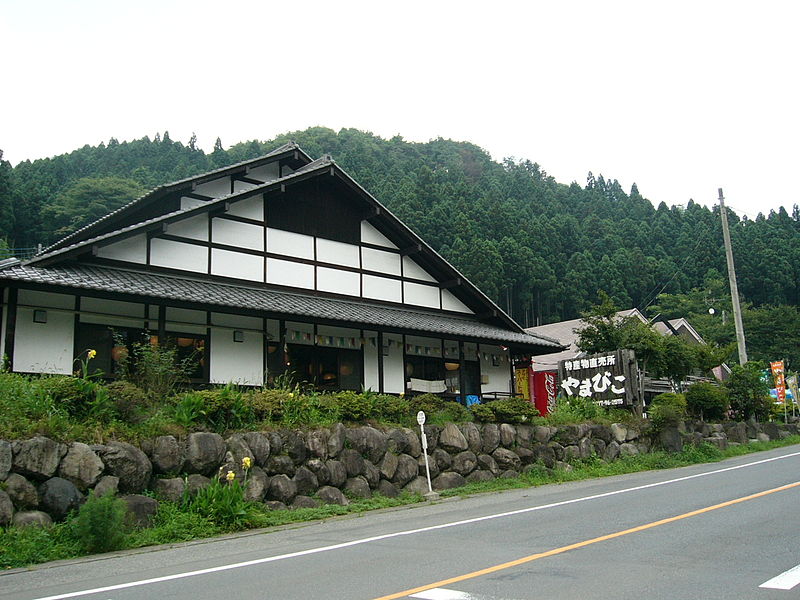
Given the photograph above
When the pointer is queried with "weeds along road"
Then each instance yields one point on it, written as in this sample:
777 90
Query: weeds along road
710 531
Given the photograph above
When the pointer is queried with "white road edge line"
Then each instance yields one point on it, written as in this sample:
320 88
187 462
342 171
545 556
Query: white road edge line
785 581
386 536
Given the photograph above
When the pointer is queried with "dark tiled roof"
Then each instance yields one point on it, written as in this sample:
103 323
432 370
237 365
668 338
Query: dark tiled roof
271 301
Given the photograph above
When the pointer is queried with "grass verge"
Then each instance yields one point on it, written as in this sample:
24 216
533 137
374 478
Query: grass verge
173 524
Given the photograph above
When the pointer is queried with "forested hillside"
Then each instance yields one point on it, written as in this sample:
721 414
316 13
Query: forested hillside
540 248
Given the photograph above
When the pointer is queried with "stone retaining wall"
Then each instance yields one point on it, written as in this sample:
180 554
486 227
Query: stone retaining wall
42 480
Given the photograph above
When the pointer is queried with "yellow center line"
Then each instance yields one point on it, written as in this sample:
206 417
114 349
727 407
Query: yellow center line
562 549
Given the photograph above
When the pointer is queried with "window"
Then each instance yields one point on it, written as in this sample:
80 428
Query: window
327 369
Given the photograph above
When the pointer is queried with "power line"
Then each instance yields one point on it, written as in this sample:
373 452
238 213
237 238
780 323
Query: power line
652 299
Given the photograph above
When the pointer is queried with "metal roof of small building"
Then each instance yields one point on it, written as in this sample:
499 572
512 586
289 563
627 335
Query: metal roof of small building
275 302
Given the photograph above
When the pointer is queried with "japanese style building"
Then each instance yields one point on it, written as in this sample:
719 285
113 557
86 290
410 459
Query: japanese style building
281 264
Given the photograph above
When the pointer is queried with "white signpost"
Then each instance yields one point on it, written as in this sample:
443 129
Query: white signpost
421 420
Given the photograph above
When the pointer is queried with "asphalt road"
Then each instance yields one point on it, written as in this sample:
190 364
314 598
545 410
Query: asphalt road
708 531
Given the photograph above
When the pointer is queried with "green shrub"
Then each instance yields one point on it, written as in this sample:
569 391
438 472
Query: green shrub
189 410
222 503
430 403
225 408
100 523
67 392
667 409
482 413
158 370
395 409
130 401
353 406
707 401
507 410
576 409
453 412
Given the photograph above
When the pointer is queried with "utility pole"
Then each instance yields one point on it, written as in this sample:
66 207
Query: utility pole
737 311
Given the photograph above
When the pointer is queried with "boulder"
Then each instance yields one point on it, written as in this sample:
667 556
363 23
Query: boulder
602 432
718 441
507 435
237 450
628 449
170 489
479 475
464 463
31 518
541 434
452 440
762 437
388 465
280 465
526 455
128 463
6 508
336 440
317 443
418 485
282 488
598 446
140 510
545 455
37 458
506 459
585 448
433 466
204 453
448 480
259 446
511 473
571 453
257 485
332 495
487 463
670 439
432 432
305 481
372 474
403 441
442 459
81 466
166 454
304 502
108 484
387 489
6 459
294 445
275 505
22 492
352 461
473 437
196 482
338 472
358 487
321 470
369 442
524 436
275 442
58 497
771 429
407 468
619 433
557 449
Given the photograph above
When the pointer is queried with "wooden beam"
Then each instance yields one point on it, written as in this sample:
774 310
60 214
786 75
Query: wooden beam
197 196
450 283
245 179
415 249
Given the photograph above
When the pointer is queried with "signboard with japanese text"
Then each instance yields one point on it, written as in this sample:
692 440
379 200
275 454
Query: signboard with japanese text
608 379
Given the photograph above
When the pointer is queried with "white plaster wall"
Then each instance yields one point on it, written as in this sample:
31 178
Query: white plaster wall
381 288
421 295
284 272
337 253
450 302
237 265
216 188
176 255
383 262
393 368
240 186
237 321
44 347
498 379
187 202
338 282
370 235
266 172
46 299
194 228
236 362
249 208
289 243
132 249
233 233
413 270
371 381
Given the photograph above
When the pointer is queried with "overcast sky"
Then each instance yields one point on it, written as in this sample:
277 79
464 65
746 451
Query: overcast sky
680 97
